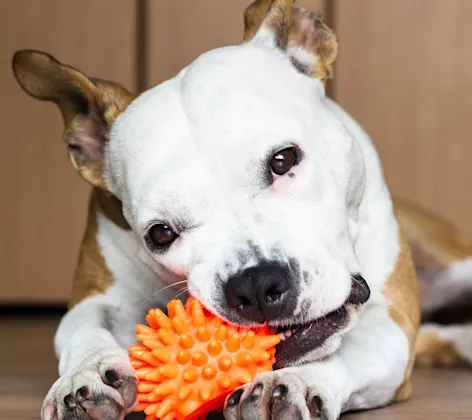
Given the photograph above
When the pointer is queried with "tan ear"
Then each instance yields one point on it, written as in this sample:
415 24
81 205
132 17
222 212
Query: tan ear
89 106
311 45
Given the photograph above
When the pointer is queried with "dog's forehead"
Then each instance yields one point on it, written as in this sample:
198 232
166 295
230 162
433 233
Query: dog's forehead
232 80
224 87
222 101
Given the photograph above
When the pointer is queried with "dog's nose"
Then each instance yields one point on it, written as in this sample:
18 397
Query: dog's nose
261 293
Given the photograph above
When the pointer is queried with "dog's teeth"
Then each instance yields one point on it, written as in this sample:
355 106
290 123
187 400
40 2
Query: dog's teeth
285 334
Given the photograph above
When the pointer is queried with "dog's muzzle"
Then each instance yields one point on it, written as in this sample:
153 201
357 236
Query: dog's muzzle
269 293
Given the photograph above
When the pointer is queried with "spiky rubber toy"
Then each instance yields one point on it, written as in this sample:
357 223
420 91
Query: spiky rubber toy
191 360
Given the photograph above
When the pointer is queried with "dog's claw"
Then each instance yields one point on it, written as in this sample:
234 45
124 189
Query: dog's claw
316 406
70 401
234 398
257 391
112 378
82 394
279 392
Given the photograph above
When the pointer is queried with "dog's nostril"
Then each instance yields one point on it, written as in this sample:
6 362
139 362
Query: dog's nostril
272 295
244 301
239 301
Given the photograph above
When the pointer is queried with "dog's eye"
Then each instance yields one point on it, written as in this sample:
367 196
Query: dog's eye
160 236
284 160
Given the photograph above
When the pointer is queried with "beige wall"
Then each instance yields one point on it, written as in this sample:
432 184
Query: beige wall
404 72
179 34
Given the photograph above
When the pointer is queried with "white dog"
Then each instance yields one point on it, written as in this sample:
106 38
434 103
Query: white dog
241 181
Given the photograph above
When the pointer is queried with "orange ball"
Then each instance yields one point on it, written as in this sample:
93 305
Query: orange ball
191 360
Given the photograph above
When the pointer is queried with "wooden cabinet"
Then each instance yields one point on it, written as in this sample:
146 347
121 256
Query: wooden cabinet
404 71
43 201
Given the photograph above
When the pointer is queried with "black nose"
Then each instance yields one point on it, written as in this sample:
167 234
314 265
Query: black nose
262 293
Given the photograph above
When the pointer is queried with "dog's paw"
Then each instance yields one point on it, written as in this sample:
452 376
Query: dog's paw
103 387
277 396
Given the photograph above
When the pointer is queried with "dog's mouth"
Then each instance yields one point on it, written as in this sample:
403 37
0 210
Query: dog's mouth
298 340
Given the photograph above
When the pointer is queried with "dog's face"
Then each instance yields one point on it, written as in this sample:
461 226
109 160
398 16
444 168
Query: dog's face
237 176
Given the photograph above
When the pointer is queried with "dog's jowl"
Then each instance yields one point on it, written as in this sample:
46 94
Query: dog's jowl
239 182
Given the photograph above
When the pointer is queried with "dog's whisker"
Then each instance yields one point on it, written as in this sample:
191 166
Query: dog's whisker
180 293
143 303
169 286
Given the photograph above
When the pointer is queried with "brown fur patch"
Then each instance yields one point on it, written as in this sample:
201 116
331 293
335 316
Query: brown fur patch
89 134
433 350
310 32
111 208
254 15
434 241
295 27
279 21
89 106
402 295
92 276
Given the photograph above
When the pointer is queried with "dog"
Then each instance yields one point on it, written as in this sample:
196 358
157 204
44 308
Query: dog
240 183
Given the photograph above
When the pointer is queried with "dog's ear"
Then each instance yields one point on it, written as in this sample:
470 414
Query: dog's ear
311 45
89 106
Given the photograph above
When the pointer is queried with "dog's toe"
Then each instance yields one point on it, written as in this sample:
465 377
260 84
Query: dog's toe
98 407
316 407
251 405
85 404
275 396
281 407
99 390
125 384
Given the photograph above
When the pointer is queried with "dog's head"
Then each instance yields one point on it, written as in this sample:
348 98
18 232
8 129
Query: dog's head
236 174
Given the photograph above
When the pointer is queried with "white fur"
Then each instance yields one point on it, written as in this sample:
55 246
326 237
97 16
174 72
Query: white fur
191 152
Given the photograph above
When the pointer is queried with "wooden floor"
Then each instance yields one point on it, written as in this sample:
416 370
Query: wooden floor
28 368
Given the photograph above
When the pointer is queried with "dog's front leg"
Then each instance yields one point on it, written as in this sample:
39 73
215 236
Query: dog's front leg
364 373
96 379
